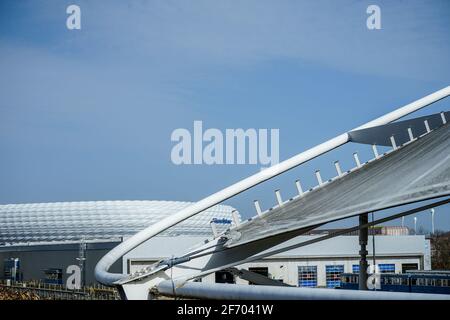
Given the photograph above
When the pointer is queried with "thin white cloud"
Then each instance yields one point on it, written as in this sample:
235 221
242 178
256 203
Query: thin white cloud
172 38
412 44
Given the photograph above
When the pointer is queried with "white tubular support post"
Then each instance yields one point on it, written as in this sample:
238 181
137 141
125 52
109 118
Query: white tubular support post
299 187
257 207
101 270
375 151
319 177
410 134
279 199
355 156
338 168
427 126
444 120
393 143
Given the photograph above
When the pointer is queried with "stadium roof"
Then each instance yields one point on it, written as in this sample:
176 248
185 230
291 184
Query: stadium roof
96 220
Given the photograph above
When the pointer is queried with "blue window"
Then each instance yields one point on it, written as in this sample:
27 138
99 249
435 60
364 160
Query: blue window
387 267
307 276
355 268
334 275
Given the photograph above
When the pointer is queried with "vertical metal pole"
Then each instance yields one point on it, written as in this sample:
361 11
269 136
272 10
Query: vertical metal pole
394 144
415 225
299 187
83 275
375 151
427 126
373 244
257 207
410 133
444 121
432 220
338 168
355 156
81 261
319 177
363 237
278 196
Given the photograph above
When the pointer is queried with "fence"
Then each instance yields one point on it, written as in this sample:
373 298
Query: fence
36 290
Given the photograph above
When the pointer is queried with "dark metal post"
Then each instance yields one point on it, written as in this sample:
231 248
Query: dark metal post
363 238
373 243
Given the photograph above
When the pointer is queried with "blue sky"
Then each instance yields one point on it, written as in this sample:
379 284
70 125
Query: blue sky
87 114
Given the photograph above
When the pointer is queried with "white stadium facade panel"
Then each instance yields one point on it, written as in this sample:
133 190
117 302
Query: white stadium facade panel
100 220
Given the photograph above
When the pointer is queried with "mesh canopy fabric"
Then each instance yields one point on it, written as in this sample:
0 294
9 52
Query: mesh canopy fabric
417 171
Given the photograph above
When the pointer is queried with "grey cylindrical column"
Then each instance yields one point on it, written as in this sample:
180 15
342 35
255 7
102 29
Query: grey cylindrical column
363 237
223 291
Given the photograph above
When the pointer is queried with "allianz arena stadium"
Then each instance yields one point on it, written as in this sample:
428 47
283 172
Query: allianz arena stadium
99 220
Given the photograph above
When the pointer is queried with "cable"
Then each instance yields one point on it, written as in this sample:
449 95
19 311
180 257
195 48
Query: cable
331 235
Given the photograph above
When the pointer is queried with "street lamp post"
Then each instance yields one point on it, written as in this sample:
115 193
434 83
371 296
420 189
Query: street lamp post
432 220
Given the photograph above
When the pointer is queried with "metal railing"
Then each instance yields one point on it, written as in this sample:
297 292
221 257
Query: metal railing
37 290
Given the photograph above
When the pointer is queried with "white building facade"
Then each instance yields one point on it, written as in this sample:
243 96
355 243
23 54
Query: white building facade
315 265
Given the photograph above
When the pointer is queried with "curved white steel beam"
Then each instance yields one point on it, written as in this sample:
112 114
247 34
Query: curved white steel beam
223 291
101 270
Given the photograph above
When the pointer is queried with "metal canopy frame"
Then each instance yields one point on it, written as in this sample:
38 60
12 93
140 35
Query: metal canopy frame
312 241
153 278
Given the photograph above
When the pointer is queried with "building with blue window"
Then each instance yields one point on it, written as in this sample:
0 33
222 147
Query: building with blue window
317 265
307 276
333 275
321 264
